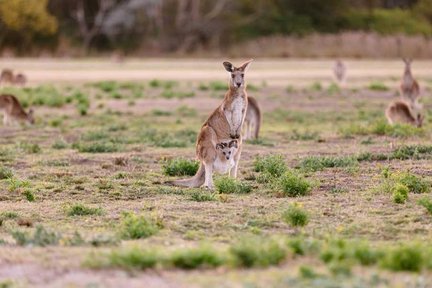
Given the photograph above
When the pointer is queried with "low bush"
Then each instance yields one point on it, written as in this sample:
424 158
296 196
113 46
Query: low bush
5 173
81 210
133 258
257 253
180 167
134 226
229 185
41 237
273 164
403 258
427 204
317 163
202 257
292 184
400 193
295 216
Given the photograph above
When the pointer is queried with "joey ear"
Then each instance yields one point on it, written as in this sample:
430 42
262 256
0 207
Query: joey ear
228 66
245 65
233 143
219 146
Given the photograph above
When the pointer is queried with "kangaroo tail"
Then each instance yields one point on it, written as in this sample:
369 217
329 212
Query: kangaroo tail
196 181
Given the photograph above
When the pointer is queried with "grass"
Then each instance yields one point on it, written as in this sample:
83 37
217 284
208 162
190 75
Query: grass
82 210
257 253
273 165
180 167
295 216
41 237
414 184
426 203
229 185
200 196
5 173
403 258
202 257
400 193
292 184
133 258
317 163
96 147
377 86
133 226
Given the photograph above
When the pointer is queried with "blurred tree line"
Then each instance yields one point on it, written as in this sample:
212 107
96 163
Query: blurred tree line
161 26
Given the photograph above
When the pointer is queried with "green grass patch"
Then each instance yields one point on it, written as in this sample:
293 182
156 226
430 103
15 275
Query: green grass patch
202 257
317 163
96 147
257 253
229 185
291 184
133 226
377 86
295 216
273 165
400 193
82 210
5 173
426 203
180 167
41 237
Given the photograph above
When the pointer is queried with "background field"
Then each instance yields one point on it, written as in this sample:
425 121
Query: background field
105 130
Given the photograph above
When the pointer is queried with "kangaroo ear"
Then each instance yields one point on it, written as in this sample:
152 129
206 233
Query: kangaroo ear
245 65
233 143
228 66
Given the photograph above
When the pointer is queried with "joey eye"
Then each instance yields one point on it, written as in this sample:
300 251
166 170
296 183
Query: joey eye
229 152
242 75
232 76
224 153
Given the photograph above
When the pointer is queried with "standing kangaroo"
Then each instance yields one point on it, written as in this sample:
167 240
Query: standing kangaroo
20 79
339 71
6 77
252 119
13 111
223 125
406 110
409 87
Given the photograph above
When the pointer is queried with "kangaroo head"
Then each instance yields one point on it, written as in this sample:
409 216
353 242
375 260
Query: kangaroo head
30 117
237 73
407 62
227 149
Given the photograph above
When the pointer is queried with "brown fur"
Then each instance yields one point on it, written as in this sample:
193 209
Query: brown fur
20 79
339 70
221 126
6 77
13 111
403 112
409 88
252 119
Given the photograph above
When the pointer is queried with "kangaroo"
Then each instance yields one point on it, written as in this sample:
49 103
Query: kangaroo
402 111
6 76
20 79
339 70
13 111
252 119
224 124
225 156
409 87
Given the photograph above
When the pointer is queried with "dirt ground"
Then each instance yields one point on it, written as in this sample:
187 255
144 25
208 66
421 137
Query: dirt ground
304 114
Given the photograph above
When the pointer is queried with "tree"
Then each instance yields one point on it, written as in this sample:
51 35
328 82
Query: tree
22 20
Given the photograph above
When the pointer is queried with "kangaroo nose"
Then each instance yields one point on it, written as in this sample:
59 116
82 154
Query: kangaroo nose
227 158
238 84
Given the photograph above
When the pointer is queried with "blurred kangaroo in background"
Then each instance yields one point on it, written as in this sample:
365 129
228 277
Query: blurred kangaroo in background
339 70
407 109
252 119
6 77
224 124
13 111
409 87
20 79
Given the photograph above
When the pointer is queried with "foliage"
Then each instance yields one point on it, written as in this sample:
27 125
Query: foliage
229 185
81 210
202 257
135 226
180 167
292 184
295 216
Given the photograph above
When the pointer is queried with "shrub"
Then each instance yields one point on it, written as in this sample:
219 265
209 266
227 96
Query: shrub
180 167
295 216
81 210
413 183
411 152
16 184
272 164
202 257
5 173
426 203
403 258
202 196
292 185
96 147
41 237
135 226
317 163
31 148
257 253
28 194
59 144
400 193
229 185
378 86
133 258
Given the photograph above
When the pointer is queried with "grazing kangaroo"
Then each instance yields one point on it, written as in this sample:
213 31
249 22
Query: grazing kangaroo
409 87
20 79
224 124
339 70
13 111
6 77
252 119
406 110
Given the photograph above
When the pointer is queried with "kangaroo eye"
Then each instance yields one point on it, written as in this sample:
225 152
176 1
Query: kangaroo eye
229 152
242 75
232 76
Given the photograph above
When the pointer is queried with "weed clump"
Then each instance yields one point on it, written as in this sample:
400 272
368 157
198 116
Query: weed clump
400 193
257 253
274 165
133 258
427 204
415 184
403 258
41 237
96 147
229 185
317 163
295 216
202 257
292 184
199 196
180 167
134 226
377 86
5 173
81 210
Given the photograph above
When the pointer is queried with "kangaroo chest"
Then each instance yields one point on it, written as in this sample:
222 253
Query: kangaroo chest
236 111
222 166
